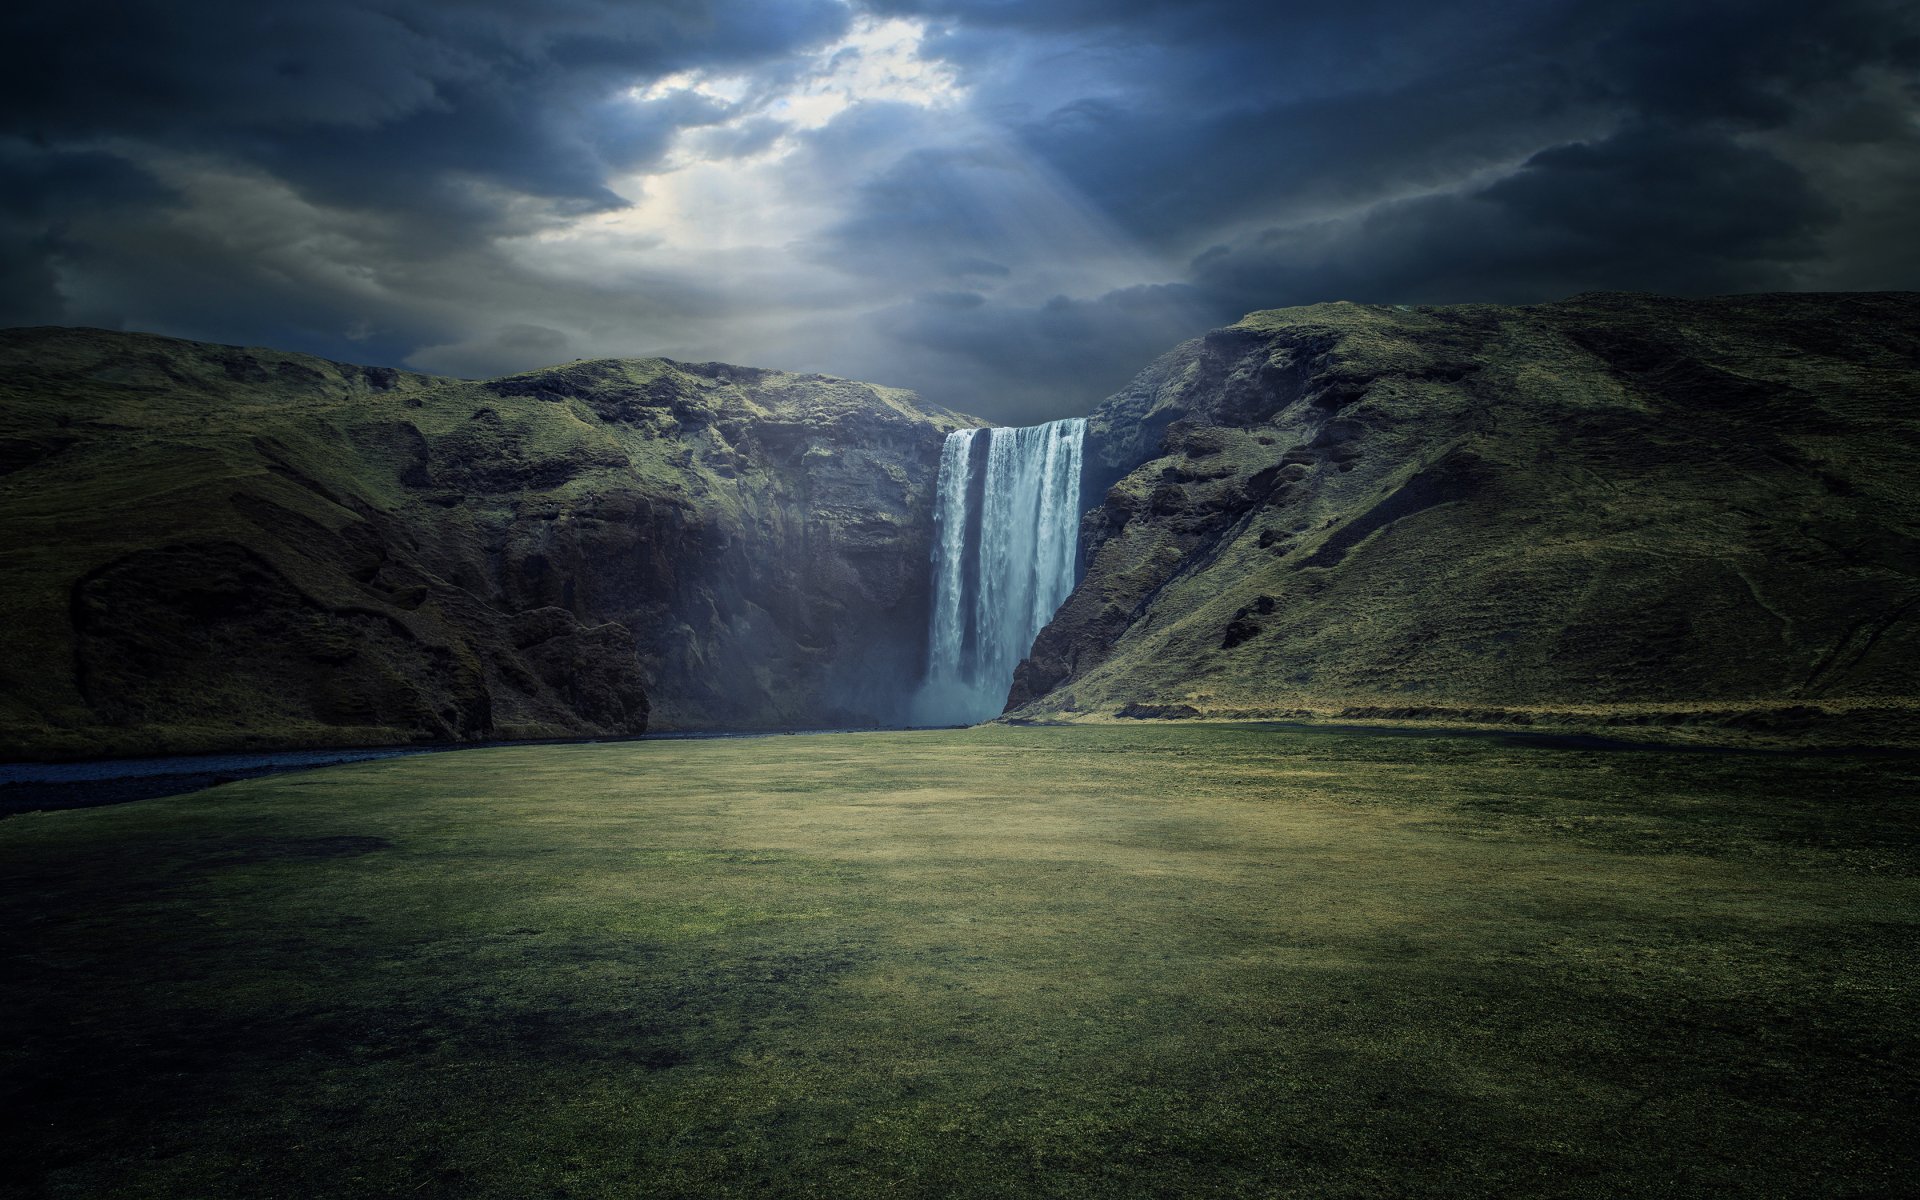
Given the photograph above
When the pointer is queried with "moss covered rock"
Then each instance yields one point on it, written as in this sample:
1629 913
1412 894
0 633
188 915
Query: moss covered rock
1617 508
213 547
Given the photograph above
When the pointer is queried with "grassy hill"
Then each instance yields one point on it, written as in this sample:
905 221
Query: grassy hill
1616 509
212 547
1619 510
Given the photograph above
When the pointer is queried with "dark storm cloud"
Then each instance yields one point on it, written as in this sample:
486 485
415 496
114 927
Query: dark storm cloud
408 180
435 113
1746 61
1270 103
1705 215
1693 196
41 189
1042 356
1403 152
932 215
197 70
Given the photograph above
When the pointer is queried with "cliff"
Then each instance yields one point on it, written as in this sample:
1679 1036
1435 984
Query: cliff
1618 509
213 547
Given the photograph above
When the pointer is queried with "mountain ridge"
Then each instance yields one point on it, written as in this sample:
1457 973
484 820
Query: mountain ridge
1360 510
218 547
1621 510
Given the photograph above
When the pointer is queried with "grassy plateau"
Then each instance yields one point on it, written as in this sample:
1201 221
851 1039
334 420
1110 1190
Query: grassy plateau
1194 960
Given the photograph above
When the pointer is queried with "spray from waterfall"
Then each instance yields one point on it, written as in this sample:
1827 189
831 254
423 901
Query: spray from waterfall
1006 537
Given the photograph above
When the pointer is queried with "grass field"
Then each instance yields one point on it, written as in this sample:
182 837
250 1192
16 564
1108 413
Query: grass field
1097 961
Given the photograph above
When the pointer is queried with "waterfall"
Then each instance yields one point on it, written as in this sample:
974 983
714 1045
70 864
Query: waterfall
1006 538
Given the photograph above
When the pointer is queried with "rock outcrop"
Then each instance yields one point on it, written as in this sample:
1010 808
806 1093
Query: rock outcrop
1633 507
1616 509
213 547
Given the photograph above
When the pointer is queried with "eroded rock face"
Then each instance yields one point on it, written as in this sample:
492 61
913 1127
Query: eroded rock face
1611 501
213 547
212 632
1614 504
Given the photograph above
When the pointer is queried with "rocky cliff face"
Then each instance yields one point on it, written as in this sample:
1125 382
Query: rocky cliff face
1637 508
211 547
1616 509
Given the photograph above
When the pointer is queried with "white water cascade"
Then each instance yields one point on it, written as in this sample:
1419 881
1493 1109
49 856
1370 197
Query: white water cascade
1006 542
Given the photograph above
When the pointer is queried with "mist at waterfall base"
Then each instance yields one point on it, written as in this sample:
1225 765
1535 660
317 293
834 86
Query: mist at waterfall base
1005 551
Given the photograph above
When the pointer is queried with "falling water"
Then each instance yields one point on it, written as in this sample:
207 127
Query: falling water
1006 537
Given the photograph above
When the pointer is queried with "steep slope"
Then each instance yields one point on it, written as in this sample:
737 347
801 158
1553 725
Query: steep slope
1619 507
211 546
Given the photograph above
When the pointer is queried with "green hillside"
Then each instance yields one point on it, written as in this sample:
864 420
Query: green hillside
1693 517
1616 509
212 547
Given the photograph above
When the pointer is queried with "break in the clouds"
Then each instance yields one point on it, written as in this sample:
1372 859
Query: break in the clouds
1007 206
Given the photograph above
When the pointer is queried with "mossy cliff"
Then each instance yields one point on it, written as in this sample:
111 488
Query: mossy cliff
1616 509
210 547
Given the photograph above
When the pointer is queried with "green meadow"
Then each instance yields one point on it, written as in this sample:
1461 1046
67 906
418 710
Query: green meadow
1159 960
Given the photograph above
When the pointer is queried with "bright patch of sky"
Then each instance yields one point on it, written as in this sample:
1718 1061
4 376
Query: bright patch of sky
723 185
878 60
762 215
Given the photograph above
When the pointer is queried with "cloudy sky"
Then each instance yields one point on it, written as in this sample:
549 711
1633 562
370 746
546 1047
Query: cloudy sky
1008 205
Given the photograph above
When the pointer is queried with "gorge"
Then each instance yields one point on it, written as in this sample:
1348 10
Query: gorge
1617 510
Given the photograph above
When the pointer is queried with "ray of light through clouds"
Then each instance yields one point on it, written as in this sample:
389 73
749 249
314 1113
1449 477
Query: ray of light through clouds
746 218
1008 207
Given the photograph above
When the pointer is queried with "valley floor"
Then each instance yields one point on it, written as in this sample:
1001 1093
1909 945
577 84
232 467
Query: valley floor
1202 960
